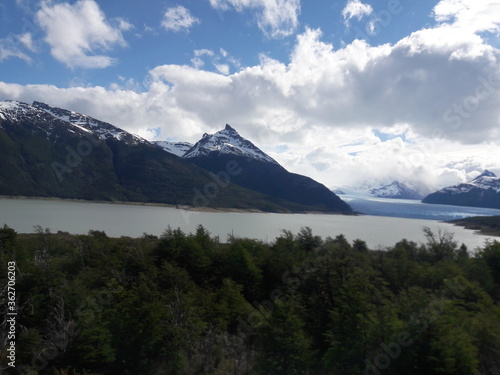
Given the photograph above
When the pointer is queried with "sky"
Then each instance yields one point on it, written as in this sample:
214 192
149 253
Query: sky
351 93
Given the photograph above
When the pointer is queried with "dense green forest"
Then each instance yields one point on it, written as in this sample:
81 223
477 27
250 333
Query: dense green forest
193 304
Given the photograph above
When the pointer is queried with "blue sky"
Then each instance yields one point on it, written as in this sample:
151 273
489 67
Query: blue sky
193 26
343 91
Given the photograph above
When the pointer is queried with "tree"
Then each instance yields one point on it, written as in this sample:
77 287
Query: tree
284 348
440 247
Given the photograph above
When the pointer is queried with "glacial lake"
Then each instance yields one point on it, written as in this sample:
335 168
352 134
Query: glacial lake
135 220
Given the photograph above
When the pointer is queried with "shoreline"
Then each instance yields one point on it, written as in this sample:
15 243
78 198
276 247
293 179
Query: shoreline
483 225
176 206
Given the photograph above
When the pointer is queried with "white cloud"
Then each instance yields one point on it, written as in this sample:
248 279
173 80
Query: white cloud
197 60
27 40
15 46
435 92
276 18
124 25
178 18
222 68
78 32
470 15
356 9
222 61
202 52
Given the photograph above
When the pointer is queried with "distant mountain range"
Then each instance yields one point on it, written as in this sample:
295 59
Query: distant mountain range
394 190
53 152
482 191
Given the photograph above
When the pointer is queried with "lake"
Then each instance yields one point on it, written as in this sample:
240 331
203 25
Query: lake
135 220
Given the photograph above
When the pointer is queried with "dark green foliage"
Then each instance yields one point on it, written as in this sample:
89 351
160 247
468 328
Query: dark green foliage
190 304
484 224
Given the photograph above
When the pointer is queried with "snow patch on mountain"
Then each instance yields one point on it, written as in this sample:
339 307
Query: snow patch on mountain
101 129
18 111
11 109
176 148
227 141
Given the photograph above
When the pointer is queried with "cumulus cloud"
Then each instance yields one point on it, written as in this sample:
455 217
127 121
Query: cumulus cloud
470 15
78 32
178 18
356 9
433 97
275 18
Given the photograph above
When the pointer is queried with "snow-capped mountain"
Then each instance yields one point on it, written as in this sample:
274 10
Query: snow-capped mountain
257 171
482 191
54 152
101 129
18 111
397 190
229 142
176 148
487 180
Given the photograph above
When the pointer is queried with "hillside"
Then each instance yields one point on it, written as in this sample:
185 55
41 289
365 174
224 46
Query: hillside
53 152
260 172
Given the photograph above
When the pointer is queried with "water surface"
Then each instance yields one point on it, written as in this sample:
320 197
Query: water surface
135 220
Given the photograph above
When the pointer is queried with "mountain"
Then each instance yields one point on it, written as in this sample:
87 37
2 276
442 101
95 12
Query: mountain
260 172
176 148
99 129
227 142
482 191
52 152
397 190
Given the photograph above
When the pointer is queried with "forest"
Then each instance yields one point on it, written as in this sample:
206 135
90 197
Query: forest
192 303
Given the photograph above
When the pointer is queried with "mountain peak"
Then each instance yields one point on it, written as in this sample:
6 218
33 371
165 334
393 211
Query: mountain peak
229 128
227 141
486 173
